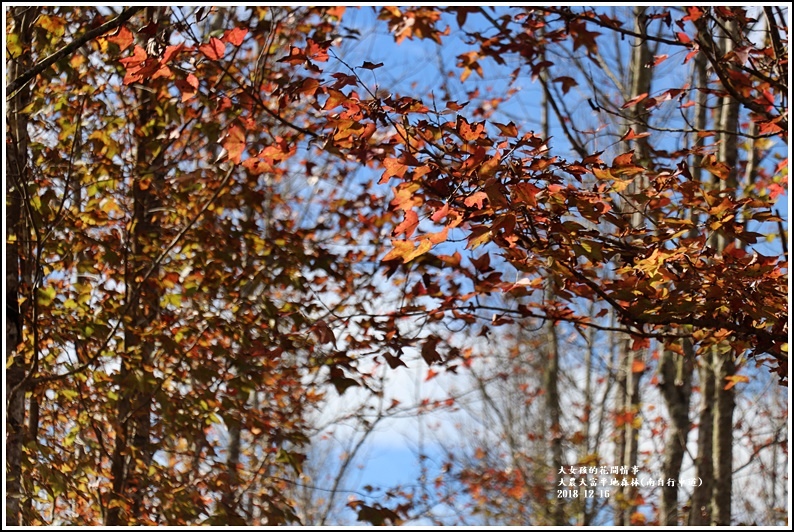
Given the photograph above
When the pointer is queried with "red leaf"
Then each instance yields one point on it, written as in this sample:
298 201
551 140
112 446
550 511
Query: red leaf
123 38
693 13
324 333
525 193
235 36
683 37
775 190
440 213
658 59
192 81
235 144
295 57
214 50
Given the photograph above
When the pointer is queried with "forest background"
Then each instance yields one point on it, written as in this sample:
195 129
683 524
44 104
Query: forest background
396 265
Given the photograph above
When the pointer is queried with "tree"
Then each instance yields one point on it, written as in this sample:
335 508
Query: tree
202 247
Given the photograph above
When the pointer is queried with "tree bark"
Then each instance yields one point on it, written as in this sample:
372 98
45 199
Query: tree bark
17 173
629 379
132 453
700 504
676 385
724 366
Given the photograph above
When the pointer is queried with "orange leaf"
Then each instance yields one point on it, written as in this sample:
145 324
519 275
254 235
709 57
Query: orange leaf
235 36
476 199
467 131
400 248
640 343
635 100
138 56
335 12
393 168
214 50
123 38
408 226
507 130
235 144
437 238
733 380
638 366
171 51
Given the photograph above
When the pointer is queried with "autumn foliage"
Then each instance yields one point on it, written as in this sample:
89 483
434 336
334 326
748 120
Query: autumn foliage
221 220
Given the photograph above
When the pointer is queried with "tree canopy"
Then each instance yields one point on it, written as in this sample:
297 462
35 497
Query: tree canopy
220 220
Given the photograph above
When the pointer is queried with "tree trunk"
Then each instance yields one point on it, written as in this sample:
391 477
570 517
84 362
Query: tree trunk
554 414
723 362
700 505
676 385
132 455
629 379
17 172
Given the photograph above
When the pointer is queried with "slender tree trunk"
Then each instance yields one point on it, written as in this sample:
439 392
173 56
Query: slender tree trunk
724 366
132 455
700 505
551 374
629 379
229 498
554 413
17 173
676 385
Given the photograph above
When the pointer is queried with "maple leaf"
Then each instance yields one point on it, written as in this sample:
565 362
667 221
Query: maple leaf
123 38
476 199
214 49
234 36
716 168
408 226
234 144
394 168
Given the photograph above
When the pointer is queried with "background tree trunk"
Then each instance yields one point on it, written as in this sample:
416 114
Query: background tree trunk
132 454
724 366
17 175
